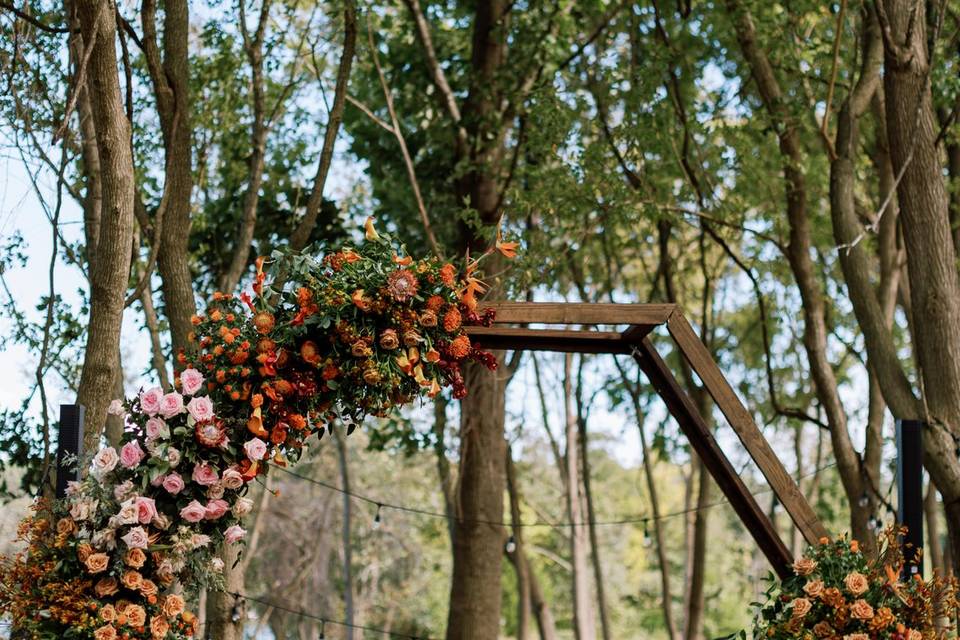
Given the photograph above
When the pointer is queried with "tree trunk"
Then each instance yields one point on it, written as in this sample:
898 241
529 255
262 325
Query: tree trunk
912 130
517 556
693 626
583 623
346 539
111 269
933 550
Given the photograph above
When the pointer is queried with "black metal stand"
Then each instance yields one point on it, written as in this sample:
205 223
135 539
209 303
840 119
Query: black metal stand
910 490
68 445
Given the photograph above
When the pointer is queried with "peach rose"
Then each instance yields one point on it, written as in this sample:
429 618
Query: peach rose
148 587
135 558
159 627
813 588
856 636
173 605
97 562
861 610
856 583
136 616
108 613
66 526
106 632
804 566
913 634
131 580
801 607
389 339
823 629
106 587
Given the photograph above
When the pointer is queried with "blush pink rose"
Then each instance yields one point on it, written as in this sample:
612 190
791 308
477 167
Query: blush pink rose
193 512
200 408
232 479
131 454
173 483
115 408
105 461
216 509
157 428
150 400
255 449
146 510
205 475
191 380
136 538
234 534
171 404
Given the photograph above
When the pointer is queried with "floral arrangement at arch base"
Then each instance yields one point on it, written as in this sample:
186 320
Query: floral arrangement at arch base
838 592
354 331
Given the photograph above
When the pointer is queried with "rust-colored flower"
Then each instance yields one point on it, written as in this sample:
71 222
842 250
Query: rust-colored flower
402 285
813 588
66 526
389 339
372 376
855 546
434 303
97 562
804 566
310 353
210 433
856 583
173 605
134 558
459 348
428 319
452 320
264 322
823 630
83 551
882 619
801 607
361 301
448 275
411 338
861 610
432 356
832 597
361 349
106 587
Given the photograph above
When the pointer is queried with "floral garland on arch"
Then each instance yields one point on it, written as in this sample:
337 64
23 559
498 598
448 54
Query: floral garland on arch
355 332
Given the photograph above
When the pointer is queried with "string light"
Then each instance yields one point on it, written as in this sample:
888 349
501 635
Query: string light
647 540
511 545
864 500
639 519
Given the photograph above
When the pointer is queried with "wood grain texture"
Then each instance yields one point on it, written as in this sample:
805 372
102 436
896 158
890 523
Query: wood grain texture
580 313
746 429
571 341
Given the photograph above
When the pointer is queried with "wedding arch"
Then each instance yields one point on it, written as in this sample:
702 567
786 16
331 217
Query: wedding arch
327 337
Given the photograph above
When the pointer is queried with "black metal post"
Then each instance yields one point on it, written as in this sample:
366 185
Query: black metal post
910 490
68 445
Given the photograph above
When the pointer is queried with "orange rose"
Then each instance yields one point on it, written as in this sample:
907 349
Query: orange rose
832 597
371 376
135 558
448 275
428 319
856 583
801 607
108 613
158 627
83 551
136 616
823 629
173 605
804 566
856 636
66 526
106 587
813 588
913 634
854 546
148 587
861 610
389 339
97 562
131 580
106 632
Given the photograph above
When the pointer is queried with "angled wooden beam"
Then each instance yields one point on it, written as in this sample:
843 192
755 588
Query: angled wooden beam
685 412
783 485
580 313
517 338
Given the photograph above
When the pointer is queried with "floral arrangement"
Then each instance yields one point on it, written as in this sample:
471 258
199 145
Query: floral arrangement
838 592
353 332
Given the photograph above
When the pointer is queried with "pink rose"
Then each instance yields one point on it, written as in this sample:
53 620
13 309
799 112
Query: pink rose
205 475
193 512
242 507
115 408
234 534
131 454
150 400
146 510
171 404
136 538
105 461
255 449
191 380
215 509
232 479
200 408
157 428
173 483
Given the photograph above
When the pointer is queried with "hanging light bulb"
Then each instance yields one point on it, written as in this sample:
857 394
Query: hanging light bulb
511 545
376 519
864 500
647 539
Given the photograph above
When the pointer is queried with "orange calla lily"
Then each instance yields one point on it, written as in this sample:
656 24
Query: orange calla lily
404 363
255 424
434 388
419 377
432 356
508 249
414 355
403 262
369 231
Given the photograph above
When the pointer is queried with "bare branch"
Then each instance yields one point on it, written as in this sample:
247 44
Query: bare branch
30 19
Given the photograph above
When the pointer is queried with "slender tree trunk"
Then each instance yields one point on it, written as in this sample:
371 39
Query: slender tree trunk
517 556
931 512
583 623
693 625
111 269
443 464
346 538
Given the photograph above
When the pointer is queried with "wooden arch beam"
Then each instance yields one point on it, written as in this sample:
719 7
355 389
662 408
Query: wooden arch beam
640 320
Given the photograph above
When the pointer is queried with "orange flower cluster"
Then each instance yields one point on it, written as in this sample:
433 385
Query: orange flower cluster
839 593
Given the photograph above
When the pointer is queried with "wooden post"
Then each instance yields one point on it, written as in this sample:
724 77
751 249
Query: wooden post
910 491
68 445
